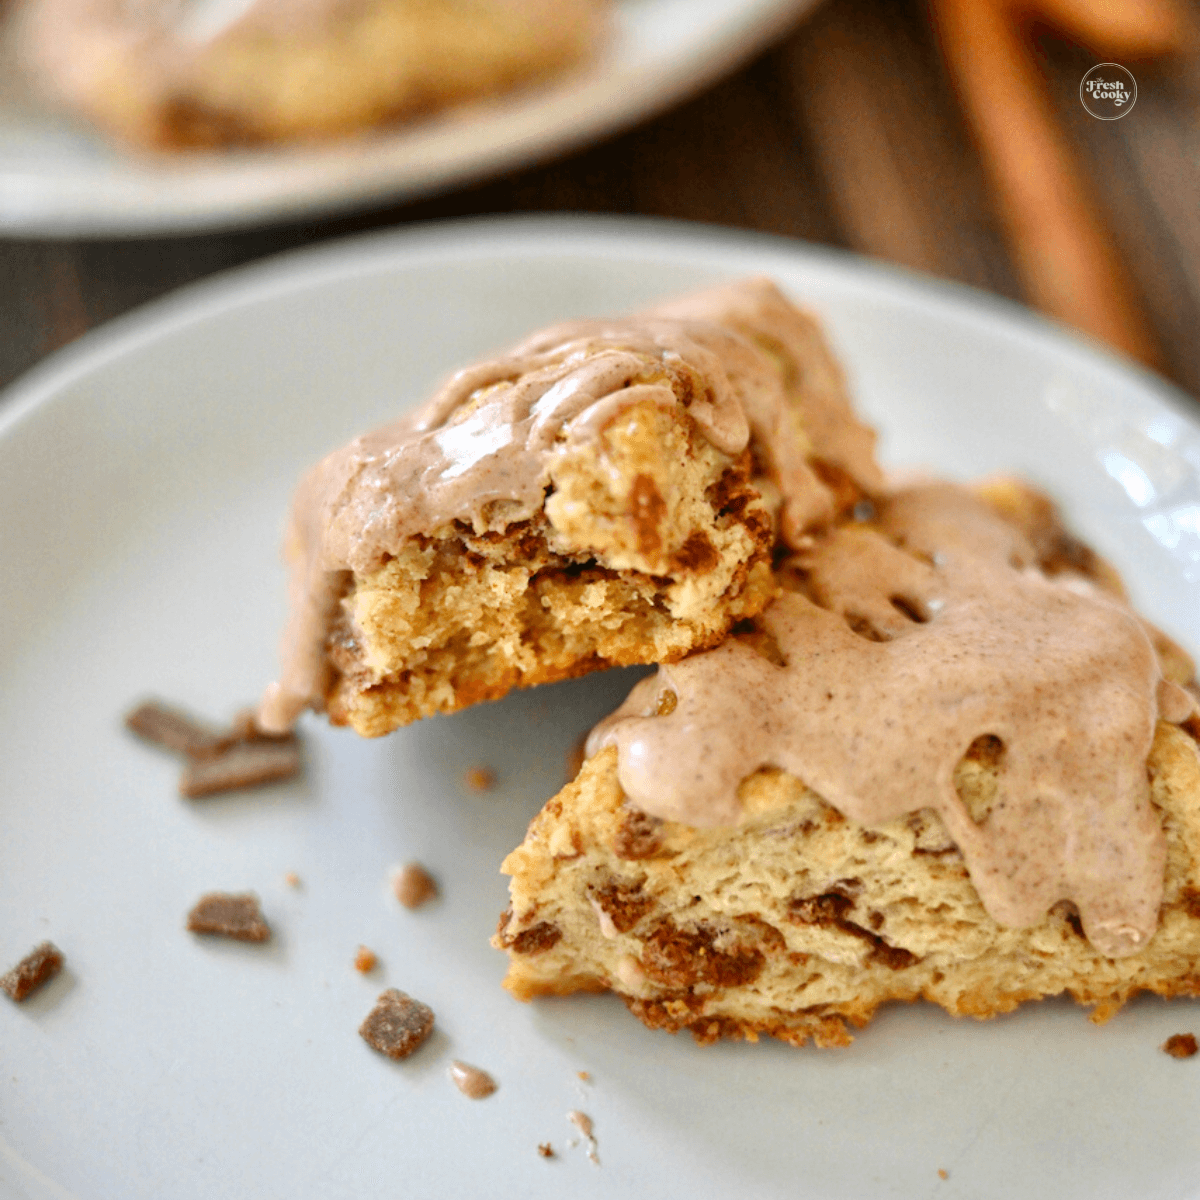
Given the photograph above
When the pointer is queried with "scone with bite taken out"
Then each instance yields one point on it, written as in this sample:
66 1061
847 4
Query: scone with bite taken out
607 493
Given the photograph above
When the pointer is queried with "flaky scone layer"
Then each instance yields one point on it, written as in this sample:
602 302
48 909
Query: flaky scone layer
651 544
797 922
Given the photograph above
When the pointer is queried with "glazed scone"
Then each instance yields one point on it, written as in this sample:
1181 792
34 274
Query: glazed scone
780 915
799 923
606 494
168 75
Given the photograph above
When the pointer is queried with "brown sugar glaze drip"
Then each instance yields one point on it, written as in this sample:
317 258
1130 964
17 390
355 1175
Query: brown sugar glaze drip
483 449
959 636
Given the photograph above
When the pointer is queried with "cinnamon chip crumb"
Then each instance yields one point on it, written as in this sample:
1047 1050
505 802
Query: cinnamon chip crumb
365 960
241 756
481 779
37 968
245 728
586 1076
1180 1045
413 885
943 1173
173 729
241 764
638 836
545 1150
231 916
292 879
397 1025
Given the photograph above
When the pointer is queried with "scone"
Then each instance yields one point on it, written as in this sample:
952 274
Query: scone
167 75
964 778
608 493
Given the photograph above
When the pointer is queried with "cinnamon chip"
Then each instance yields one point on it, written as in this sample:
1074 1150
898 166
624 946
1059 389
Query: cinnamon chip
365 960
241 756
231 916
173 729
545 1150
38 967
241 764
413 885
397 1025
1180 1045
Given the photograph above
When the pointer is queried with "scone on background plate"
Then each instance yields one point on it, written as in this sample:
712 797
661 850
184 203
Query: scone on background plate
1037 832
219 72
608 493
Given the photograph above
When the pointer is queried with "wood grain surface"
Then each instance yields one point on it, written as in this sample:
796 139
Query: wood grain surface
849 132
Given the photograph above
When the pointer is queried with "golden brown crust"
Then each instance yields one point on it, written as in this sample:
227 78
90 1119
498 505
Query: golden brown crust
798 924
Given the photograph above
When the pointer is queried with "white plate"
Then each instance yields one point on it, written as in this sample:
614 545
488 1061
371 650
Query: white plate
144 476
57 179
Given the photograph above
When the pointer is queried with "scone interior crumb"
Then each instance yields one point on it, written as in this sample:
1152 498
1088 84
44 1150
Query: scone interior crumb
646 569
800 924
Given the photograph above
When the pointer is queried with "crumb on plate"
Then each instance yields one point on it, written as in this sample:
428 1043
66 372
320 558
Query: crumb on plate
241 763
1180 1045
223 914
174 729
413 885
37 968
583 1123
397 1025
217 760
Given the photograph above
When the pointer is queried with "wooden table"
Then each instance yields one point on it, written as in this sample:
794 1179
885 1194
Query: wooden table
846 133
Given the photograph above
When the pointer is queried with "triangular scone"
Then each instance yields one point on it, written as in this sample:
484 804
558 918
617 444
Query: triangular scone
796 921
608 493
159 76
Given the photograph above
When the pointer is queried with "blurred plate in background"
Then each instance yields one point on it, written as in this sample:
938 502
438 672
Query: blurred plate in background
59 180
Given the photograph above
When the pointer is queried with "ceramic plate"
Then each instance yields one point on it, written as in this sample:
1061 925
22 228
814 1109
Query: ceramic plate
144 476
57 179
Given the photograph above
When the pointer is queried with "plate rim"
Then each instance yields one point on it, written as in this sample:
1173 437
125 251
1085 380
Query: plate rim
545 235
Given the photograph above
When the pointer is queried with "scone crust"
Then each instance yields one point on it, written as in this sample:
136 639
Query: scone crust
799 924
